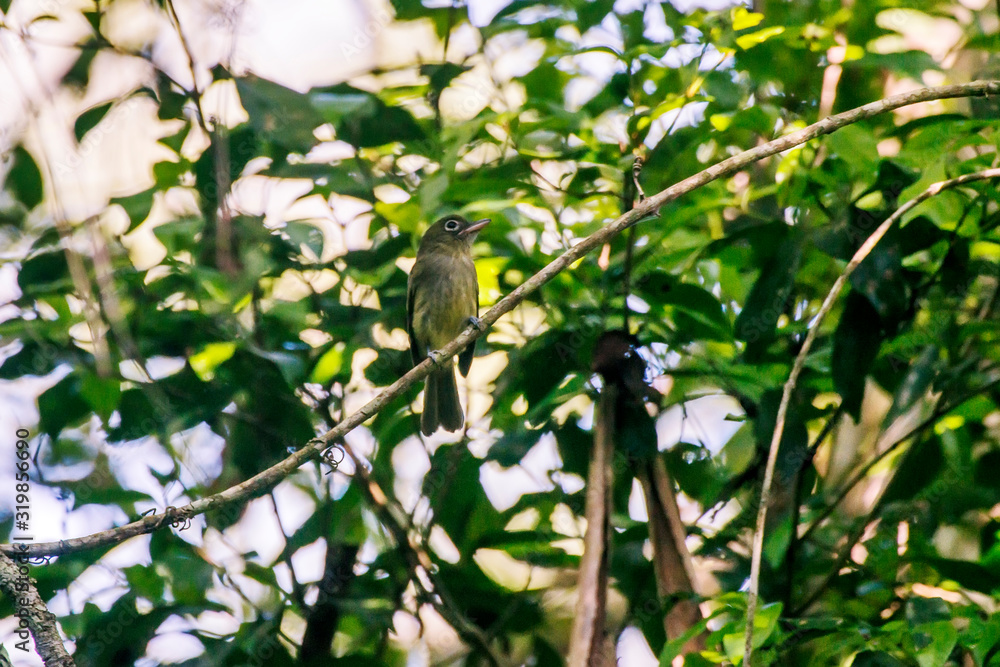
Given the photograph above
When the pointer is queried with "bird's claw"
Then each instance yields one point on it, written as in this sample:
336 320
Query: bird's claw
475 323
435 357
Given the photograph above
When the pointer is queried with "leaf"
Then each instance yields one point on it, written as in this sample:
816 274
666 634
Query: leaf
921 466
304 234
696 313
769 297
751 40
101 394
764 623
281 114
922 372
205 361
743 19
967 574
328 365
89 119
362 119
79 75
855 346
512 446
25 180
62 405
45 273
934 642
136 206
875 659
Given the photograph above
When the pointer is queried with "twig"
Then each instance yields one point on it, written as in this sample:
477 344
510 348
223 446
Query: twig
856 534
391 516
800 360
863 472
259 484
195 91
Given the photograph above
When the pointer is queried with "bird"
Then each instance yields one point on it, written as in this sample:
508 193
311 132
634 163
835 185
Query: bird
442 299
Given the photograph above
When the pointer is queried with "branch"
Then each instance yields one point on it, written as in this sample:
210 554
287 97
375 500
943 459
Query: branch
417 559
32 612
895 444
800 360
589 641
268 479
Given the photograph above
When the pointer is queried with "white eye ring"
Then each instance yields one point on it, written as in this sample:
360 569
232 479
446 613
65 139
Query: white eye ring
451 226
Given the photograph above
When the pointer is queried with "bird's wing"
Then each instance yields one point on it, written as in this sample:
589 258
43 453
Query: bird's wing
411 295
465 357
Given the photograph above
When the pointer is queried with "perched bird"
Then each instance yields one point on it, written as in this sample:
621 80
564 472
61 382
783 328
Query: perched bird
442 298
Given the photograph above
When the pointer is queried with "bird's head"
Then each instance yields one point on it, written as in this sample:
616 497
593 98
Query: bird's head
452 231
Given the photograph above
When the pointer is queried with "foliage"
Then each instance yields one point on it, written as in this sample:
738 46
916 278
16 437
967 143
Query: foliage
257 334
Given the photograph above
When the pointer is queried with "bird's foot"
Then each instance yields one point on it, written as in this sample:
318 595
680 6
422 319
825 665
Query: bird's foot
475 323
435 356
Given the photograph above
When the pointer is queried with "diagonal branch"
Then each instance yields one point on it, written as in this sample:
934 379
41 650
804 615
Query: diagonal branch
793 376
268 479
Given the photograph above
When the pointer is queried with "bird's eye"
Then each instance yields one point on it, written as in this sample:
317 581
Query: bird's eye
451 226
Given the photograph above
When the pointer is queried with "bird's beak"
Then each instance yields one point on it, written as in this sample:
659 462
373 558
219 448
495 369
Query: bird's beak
474 228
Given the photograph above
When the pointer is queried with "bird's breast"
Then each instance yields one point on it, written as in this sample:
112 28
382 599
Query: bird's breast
445 296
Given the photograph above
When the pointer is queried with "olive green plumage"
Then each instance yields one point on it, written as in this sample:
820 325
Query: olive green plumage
442 297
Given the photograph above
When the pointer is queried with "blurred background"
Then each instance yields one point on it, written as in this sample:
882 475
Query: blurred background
208 213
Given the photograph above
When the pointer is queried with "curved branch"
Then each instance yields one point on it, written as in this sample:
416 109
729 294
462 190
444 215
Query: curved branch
793 376
268 479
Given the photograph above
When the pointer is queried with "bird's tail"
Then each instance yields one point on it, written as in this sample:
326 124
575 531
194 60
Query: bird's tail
441 404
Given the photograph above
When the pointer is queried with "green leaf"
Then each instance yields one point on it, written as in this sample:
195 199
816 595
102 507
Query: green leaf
875 659
101 394
328 365
752 39
89 119
922 465
45 273
696 313
855 347
25 180
62 405
136 206
934 642
913 387
304 234
281 114
205 361
764 623
362 119
769 297
79 75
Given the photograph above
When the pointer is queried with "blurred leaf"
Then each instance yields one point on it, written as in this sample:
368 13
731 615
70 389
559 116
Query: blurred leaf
25 180
278 113
62 405
362 119
855 347
89 119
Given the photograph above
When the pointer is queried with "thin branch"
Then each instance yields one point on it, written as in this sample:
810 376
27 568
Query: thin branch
261 483
916 430
195 91
800 360
392 516
859 530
